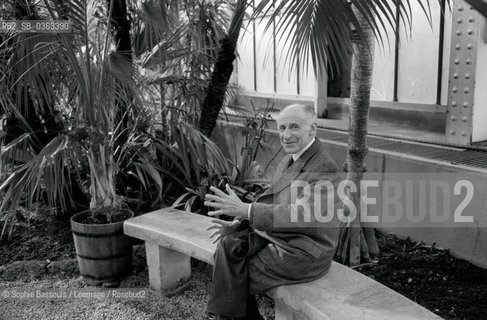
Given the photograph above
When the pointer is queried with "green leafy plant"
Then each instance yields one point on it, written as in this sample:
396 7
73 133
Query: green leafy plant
244 175
255 125
86 78
193 161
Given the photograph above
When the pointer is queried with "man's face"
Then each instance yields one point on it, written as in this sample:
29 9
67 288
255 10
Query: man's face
296 129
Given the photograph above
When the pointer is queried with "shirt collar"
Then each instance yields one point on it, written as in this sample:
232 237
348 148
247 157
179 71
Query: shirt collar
300 152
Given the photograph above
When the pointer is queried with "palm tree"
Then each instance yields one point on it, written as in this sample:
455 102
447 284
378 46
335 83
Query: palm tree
121 29
362 242
85 76
38 114
183 70
28 100
85 80
222 71
327 30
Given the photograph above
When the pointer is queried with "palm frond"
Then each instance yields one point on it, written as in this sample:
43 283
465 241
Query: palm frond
50 164
322 30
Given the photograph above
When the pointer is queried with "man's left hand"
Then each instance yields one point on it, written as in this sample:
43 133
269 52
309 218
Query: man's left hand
228 204
222 228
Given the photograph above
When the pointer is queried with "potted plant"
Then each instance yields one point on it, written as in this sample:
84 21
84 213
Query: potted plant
104 253
94 86
94 89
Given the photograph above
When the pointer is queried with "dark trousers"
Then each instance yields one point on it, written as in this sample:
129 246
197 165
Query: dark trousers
229 294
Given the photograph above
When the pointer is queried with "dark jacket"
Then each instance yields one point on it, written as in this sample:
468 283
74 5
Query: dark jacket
299 250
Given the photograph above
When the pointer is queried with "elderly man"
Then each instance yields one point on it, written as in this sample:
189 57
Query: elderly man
276 240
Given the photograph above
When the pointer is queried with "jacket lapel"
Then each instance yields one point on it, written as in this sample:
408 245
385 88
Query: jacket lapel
283 166
284 176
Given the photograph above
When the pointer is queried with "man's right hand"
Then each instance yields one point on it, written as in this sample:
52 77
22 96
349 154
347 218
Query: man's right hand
222 228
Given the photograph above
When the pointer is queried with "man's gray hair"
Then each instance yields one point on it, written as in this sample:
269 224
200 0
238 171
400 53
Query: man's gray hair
307 109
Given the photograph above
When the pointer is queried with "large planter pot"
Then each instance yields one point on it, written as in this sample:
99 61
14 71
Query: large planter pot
104 253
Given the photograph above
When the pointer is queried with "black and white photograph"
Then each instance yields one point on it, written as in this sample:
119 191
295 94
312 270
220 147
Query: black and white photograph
243 159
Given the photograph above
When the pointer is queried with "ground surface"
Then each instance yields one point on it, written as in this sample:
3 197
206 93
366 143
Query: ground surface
38 240
452 288
188 305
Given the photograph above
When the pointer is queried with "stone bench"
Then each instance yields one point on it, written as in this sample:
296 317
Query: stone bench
173 236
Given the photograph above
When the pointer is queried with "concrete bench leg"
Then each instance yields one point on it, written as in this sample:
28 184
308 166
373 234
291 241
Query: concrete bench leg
169 270
282 312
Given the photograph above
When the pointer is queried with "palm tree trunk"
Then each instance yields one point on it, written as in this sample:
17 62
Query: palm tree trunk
222 72
356 243
121 36
102 187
